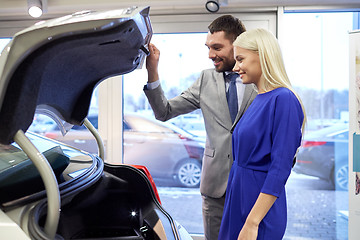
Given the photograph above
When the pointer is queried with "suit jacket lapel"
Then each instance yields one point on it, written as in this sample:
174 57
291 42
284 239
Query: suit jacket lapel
225 113
249 94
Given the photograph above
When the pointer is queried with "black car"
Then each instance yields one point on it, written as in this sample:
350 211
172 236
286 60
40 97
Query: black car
324 154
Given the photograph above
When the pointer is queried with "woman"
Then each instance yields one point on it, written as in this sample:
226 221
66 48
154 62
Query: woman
264 143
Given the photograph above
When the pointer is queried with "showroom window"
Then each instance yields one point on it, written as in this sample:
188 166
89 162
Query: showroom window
315 50
313 44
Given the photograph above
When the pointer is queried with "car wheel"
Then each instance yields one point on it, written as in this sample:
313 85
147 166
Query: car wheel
341 175
188 173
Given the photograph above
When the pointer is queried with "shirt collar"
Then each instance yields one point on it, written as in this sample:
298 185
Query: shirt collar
226 73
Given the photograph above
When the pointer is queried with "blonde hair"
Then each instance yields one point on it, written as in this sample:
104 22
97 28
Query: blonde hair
265 44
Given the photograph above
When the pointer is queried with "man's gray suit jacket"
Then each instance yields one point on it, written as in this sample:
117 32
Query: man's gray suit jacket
208 94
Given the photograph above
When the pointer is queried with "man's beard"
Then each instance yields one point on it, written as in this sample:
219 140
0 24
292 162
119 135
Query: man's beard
225 67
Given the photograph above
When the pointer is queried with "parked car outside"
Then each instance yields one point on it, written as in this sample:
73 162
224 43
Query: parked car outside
324 154
170 153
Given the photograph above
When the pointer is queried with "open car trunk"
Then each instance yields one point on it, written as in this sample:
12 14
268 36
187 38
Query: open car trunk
121 204
54 66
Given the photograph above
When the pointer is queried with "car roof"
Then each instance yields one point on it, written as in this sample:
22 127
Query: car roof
328 132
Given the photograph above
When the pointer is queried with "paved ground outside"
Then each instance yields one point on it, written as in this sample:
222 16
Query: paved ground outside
315 210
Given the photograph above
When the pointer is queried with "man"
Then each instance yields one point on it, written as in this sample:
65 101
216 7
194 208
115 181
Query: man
209 93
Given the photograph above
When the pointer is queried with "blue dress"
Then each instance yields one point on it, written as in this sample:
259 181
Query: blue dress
264 143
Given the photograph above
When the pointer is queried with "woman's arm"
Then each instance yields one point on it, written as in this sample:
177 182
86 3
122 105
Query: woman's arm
256 215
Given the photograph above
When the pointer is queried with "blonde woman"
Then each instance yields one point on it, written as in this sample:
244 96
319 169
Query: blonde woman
264 143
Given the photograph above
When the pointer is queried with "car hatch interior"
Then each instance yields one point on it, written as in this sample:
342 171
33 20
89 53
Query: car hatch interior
55 66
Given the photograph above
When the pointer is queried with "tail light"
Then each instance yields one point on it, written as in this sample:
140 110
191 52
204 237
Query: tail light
303 161
183 137
148 175
51 135
306 144
192 149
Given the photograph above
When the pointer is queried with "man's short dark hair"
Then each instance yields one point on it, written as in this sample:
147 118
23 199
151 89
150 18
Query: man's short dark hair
231 25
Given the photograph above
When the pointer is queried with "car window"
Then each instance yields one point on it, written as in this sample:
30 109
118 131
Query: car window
343 134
